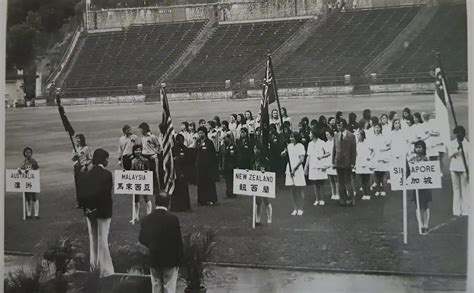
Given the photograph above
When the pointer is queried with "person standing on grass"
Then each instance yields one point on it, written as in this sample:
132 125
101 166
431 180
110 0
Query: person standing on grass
275 120
295 172
180 198
406 115
315 167
459 174
206 169
229 164
125 147
188 138
364 164
332 124
386 126
344 158
151 148
160 232
245 151
424 195
250 123
82 158
233 123
286 118
140 163
192 153
95 198
240 123
352 125
330 168
32 202
380 146
262 163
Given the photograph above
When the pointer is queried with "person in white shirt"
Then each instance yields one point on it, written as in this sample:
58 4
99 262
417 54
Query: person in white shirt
233 124
275 119
126 143
250 123
459 174
430 134
240 123
151 148
315 167
295 172
386 127
330 169
364 163
188 138
380 147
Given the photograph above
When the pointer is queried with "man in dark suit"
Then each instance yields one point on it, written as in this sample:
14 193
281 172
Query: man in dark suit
95 197
343 158
161 233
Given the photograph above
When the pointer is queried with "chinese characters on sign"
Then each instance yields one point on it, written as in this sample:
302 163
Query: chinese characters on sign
133 182
22 180
422 175
254 183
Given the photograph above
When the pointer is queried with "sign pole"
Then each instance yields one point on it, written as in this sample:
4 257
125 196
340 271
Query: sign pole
133 210
418 211
253 211
405 218
24 207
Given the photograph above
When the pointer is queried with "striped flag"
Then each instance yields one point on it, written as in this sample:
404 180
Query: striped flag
168 142
441 106
268 97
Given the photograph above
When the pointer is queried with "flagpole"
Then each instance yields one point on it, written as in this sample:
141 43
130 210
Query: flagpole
58 102
438 57
275 92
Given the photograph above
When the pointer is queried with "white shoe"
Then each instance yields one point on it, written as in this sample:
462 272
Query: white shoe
361 189
294 212
321 202
316 203
377 193
300 212
383 193
388 181
336 197
333 197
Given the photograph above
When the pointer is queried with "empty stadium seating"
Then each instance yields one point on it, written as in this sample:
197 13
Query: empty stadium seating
345 44
140 54
236 48
446 33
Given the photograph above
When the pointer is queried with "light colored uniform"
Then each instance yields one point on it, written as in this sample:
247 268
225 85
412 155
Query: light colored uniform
317 168
294 153
461 202
364 158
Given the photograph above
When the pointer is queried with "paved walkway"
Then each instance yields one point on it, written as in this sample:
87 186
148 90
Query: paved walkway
226 279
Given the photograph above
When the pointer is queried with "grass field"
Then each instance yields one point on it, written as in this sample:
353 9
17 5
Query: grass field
366 237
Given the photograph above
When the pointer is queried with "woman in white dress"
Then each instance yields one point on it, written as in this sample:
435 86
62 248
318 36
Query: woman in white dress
408 136
406 114
386 127
364 164
233 124
380 147
398 143
430 135
295 175
331 170
240 123
315 166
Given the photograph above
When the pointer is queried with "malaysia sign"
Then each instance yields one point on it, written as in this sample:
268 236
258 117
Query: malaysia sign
133 182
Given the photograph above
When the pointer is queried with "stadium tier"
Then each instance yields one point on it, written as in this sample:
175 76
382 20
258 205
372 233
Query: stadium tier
344 44
138 55
445 33
236 48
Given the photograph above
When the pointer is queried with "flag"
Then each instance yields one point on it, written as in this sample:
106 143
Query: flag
168 142
441 107
268 97
269 85
67 125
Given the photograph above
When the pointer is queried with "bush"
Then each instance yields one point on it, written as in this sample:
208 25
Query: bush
128 260
24 281
60 253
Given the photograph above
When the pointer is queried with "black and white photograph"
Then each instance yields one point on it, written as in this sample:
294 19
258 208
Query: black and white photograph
162 146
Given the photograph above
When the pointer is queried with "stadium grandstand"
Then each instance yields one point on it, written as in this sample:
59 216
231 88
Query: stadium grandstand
219 50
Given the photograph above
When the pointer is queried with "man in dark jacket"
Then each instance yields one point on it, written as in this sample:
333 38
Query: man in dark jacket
344 157
161 233
95 197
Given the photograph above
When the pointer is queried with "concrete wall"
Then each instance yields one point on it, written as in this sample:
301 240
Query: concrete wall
385 3
223 11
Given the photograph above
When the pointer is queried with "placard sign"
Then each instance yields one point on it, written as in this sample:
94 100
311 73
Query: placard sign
22 180
133 182
254 183
422 175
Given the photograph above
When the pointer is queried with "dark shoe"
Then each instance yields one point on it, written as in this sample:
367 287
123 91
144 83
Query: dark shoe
257 224
37 217
342 203
28 217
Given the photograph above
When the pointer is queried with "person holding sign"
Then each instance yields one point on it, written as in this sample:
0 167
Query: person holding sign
206 168
315 167
424 197
459 174
140 163
32 202
95 198
262 163
295 172
82 158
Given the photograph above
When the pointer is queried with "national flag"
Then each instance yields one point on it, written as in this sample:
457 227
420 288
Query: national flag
67 125
168 142
441 106
269 86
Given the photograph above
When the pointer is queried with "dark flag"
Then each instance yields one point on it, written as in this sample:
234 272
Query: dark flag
168 142
441 107
67 125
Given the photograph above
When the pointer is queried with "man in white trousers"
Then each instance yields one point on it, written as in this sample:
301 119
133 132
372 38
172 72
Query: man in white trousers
161 233
459 174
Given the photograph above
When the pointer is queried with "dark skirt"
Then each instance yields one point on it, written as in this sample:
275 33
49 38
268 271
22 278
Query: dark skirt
180 199
206 187
190 169
425 198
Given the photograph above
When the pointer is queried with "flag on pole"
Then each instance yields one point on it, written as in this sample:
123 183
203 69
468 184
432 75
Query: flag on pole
267 94
269 85
168 143
67 125
441 107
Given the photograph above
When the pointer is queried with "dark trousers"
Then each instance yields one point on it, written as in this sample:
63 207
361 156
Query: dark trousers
346 185
365 182
127 162
77 176
229 182
30 196
260 199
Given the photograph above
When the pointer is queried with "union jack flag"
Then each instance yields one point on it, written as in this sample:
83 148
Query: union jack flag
441 106
168 143
268 97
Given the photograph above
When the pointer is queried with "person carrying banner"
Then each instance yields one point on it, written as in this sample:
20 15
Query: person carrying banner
125 148
459 174
32 202
424 197
82 158
140 163
95 197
